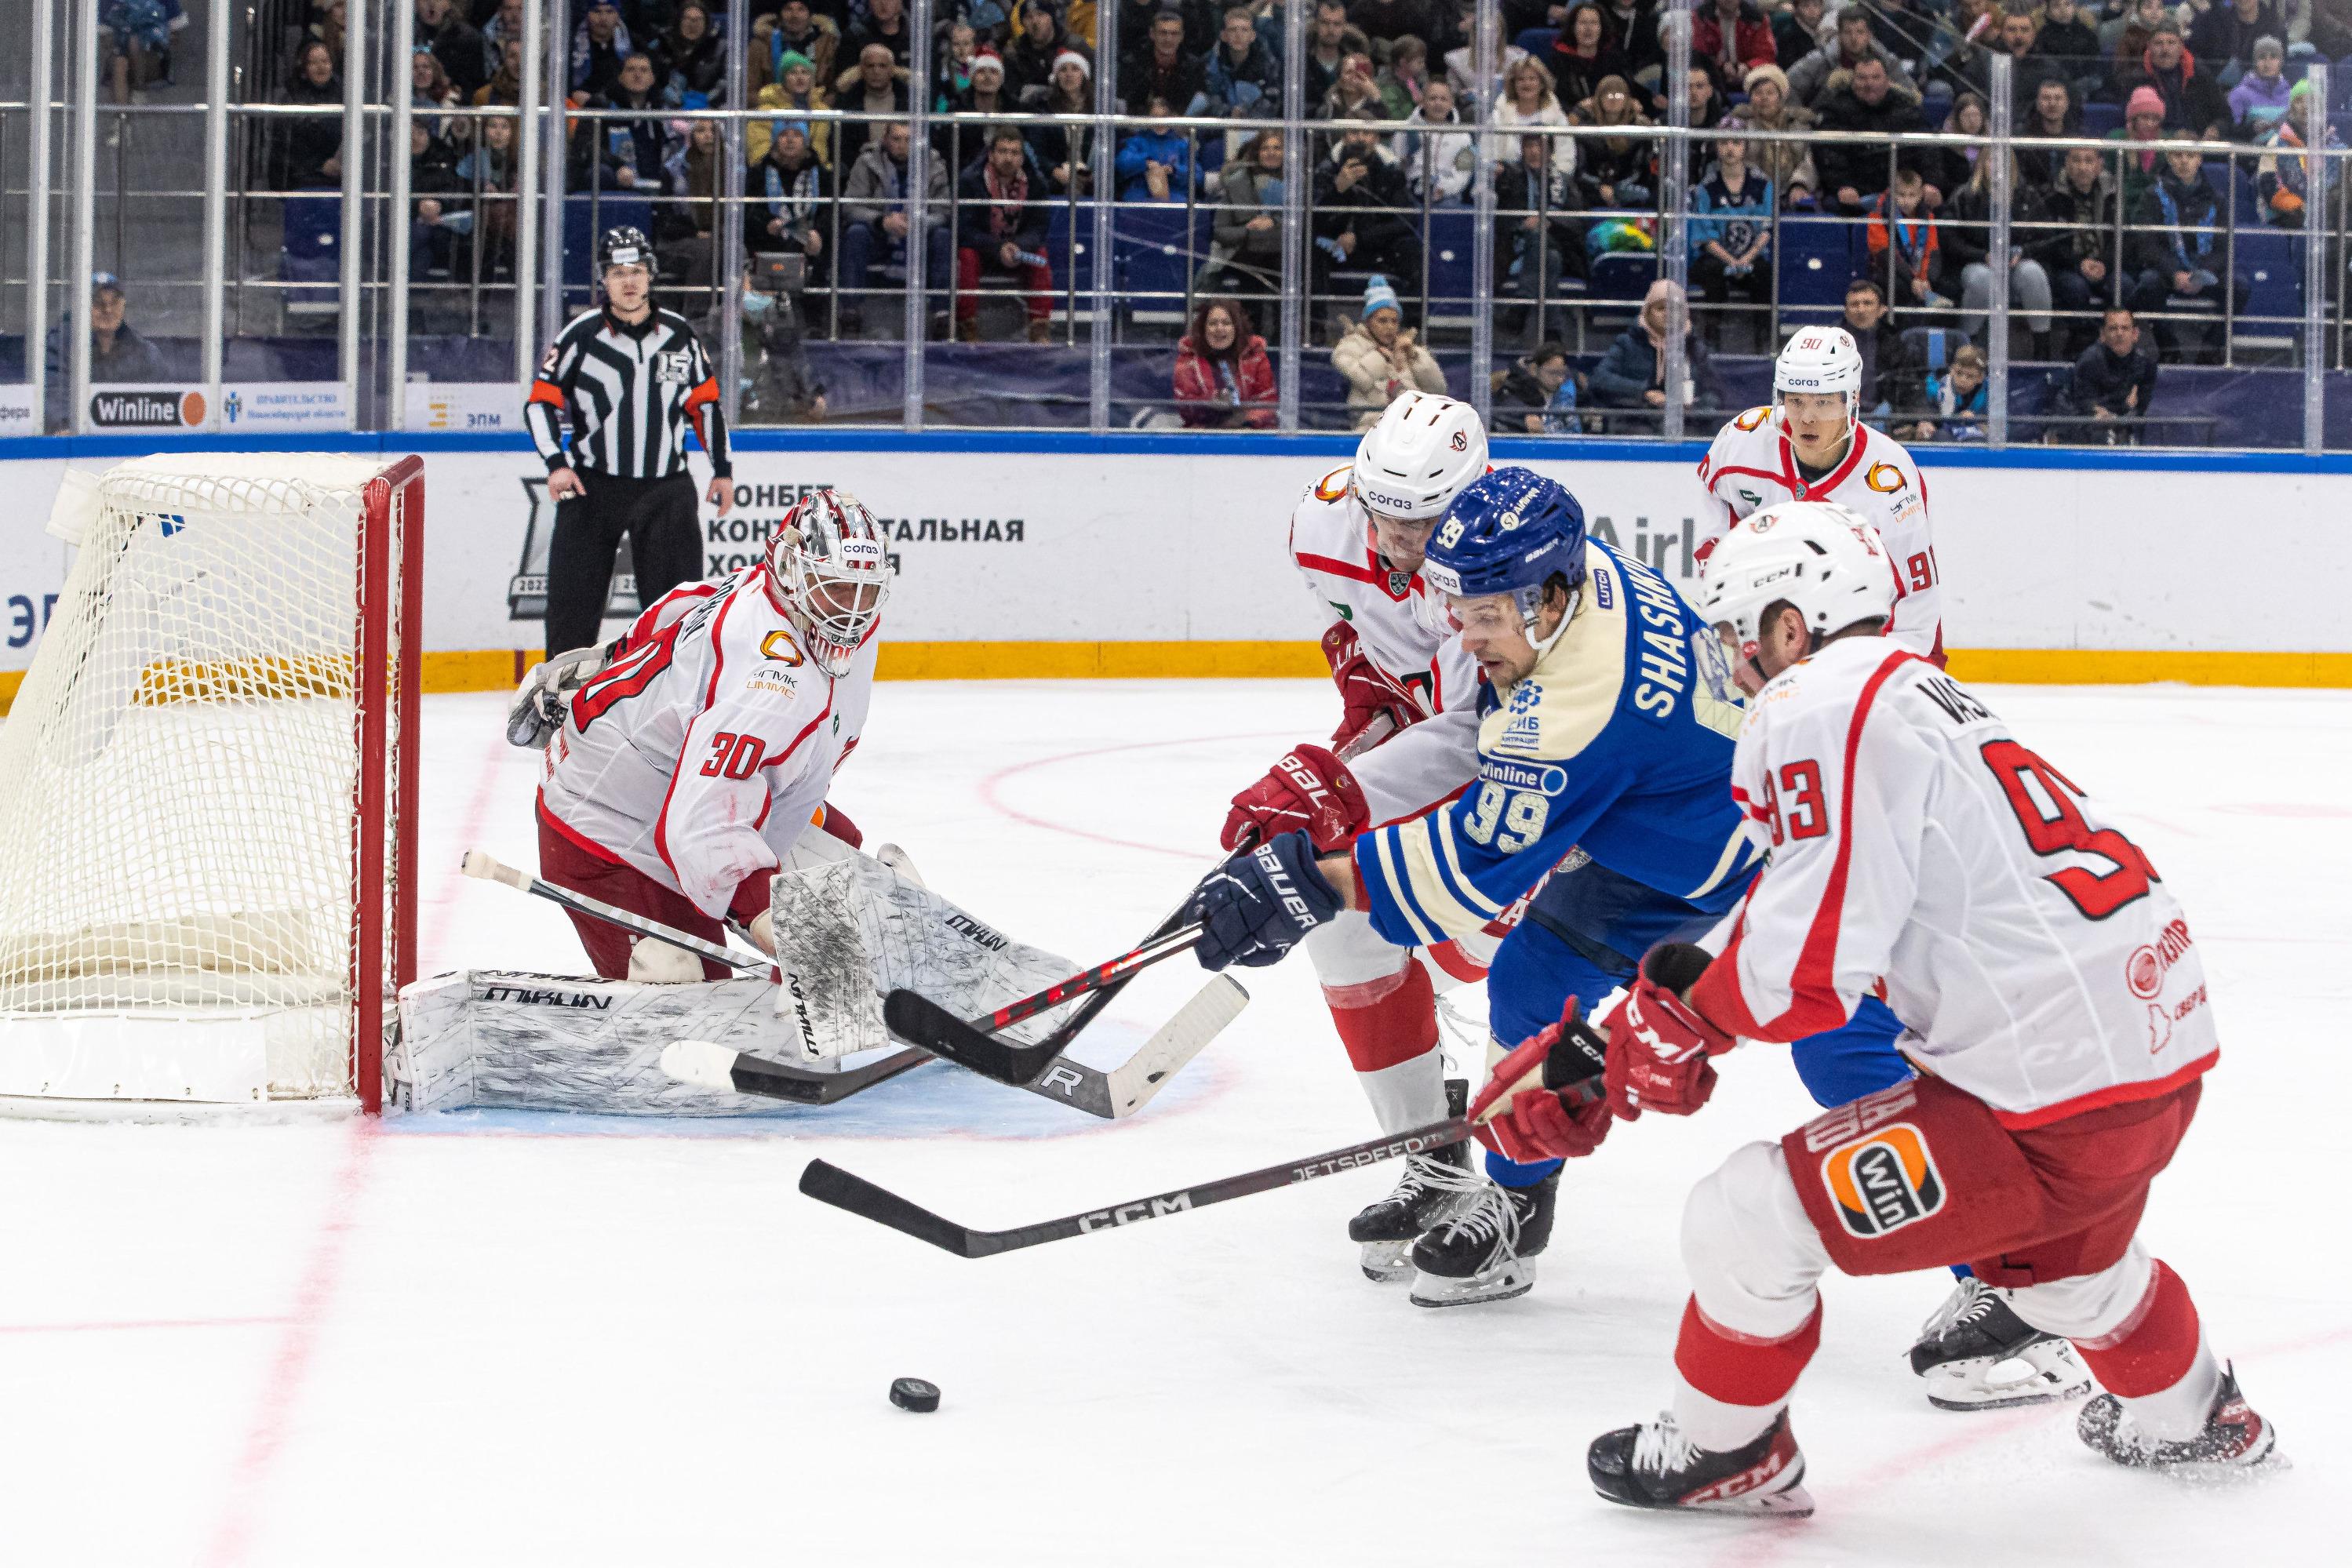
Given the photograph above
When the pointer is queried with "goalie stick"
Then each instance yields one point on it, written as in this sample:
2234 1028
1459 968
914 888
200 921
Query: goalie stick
844 1189
488 868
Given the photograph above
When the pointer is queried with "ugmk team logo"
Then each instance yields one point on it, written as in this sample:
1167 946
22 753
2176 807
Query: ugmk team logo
1884 1181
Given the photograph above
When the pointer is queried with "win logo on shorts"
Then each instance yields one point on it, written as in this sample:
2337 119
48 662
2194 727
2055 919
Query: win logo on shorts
1884 1182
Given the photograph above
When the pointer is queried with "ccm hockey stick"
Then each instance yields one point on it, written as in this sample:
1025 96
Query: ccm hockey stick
1112 1094
842 1189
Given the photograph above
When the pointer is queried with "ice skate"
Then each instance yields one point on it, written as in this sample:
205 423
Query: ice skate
2235 1438
1486 1252
1434 1188
1976 1354
1654 1465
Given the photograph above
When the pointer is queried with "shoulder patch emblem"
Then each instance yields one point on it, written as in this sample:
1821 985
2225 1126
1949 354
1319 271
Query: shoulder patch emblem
1333 486
1884 477
779 645
1752 418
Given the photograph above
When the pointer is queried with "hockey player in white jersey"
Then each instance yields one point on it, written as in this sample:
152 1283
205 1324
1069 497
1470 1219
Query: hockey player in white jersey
693 760
1810 444
2057 1007
1359 536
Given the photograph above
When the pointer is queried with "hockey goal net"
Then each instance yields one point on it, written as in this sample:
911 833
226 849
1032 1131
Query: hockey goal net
208 786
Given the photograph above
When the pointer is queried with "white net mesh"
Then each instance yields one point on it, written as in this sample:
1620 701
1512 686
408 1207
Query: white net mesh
178 820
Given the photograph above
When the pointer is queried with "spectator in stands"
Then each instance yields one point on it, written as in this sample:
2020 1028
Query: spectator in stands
505 86
1634 26
1707 106
999 221
1796 31
636 148
2143 126
781 382
1956 401
1967 245
684 224
1538 238
1245 256
2193 103
1390 20
434 188
1615 170
1947 169
1889 378
1438 161
886 23
1163 70
797 31
2179 253
1632 374
1584 52
2066 38
1066 152
118 354
1731 243
790 197
428 85
1380 357
1905 245
875 222
1031 58
2258 101
876 89
2051 116
1961 46
952 66
2123 36
2224 35
1789 165
1462 70
691 59
1734 35
1810 78
1528 100
1329 41
1223 379
599 45
326 24
1854 176
305 148
795 95
2029 68
462 51
1242 79
2115 378
1356 95
1537 395
1363 214
1155 162
1405 79
134 43
487 173
2284 178
1200 18
2329 27
987 93
2084 212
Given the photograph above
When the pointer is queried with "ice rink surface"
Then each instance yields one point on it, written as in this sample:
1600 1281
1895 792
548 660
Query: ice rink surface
508 1340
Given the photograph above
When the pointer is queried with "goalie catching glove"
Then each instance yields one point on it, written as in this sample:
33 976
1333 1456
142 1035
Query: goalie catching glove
1658 1043
1366 690
544 699
1540 1103
1309 791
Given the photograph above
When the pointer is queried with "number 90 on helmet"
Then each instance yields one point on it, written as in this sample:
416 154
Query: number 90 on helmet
1821 360
1510 532
1817 556
1412 464
829 573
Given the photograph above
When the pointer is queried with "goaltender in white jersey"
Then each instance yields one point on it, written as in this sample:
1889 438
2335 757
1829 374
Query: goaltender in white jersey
1810 444
690 764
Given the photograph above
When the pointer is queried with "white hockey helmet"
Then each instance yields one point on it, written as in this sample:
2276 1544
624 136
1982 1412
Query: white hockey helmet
1816 555
1821 360
829 571
1424 449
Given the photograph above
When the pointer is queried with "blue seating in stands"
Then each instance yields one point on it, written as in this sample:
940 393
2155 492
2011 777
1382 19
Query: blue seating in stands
1156 251
311 253
1623 275
2339 84
1537 41
2098 118
585 220
1452 240
2272 262
1816 262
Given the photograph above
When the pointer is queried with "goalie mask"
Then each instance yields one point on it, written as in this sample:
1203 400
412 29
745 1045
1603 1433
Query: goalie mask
829 573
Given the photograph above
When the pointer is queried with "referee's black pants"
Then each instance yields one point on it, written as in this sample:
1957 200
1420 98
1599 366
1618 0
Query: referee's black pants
665 547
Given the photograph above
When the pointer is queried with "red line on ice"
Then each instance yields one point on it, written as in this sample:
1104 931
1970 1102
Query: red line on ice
290 1368
989 786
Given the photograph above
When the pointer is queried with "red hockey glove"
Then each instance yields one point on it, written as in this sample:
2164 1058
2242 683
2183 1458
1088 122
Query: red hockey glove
1658 1043
1369 691
1541 1103
831 818
1309 791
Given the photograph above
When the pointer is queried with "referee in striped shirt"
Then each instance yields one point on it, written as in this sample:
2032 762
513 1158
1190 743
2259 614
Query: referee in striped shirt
630 377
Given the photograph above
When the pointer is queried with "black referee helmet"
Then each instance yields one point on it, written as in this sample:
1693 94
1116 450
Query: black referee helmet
625 247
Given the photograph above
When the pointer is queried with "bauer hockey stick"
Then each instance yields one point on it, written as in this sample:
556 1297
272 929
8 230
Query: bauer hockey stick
1581 1047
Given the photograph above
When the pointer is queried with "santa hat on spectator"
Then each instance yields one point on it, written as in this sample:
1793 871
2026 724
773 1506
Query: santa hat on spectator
1380 296
987 60
1072 58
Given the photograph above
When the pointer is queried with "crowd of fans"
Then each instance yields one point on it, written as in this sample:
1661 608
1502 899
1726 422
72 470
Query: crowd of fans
2133 228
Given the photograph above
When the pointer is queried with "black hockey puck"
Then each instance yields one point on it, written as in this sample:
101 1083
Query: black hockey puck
914 1394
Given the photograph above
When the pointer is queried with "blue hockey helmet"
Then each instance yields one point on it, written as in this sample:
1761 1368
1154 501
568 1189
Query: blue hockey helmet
1508 532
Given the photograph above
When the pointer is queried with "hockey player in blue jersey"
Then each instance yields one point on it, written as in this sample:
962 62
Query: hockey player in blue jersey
1606 714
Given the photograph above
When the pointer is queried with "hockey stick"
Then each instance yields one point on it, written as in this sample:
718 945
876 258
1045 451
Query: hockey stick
1118 1092
827 1182
477 864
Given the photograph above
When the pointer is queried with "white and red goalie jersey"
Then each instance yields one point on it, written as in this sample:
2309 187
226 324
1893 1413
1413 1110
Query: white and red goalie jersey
1401 626
700 754
1751 466
2028 945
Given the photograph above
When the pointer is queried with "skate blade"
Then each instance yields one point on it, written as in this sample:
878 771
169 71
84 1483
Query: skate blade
1386 1262
1971 1385
1789 1502
1501 1284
